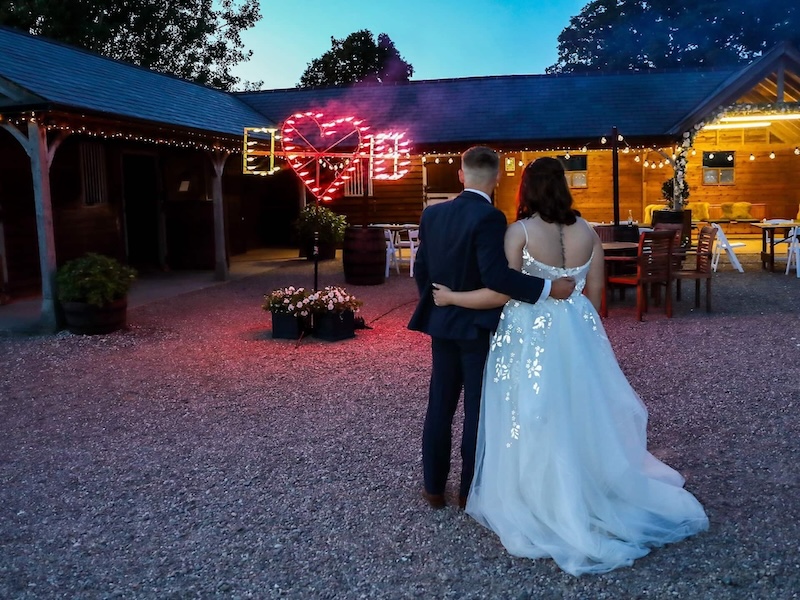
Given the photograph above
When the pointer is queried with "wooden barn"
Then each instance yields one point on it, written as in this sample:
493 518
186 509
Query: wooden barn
99 155
573 117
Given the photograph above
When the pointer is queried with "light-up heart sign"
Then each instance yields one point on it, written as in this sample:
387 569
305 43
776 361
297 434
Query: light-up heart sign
322 152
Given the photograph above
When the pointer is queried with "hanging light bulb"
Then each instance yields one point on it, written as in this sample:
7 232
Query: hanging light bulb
772 155
797 150
603 140
424 159
752 157
625 150
584 150
450 161
637 159
711 155
437 160
646 163
620 138
652 165
520 163
566 156
730 157
694 152
661 165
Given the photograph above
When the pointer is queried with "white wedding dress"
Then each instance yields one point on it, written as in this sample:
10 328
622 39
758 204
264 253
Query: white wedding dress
562 466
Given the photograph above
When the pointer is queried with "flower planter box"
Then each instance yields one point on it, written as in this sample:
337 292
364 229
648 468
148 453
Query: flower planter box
333 327
287 327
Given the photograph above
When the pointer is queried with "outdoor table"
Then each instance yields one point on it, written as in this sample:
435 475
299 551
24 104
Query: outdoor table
768 240
619 246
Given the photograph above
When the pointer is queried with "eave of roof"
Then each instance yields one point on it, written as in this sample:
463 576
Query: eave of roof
79 79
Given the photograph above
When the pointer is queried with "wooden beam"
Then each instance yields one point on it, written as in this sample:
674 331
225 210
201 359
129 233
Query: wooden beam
40 156
221 271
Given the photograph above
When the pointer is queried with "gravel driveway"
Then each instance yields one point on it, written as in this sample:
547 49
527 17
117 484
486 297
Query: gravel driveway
192 456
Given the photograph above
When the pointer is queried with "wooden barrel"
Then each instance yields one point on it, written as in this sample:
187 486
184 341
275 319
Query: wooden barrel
87 319
364 256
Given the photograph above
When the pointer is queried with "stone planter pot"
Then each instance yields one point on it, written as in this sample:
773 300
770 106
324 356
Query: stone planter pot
333 327
87 319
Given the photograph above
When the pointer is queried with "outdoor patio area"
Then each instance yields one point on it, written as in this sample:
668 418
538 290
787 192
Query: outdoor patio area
194 456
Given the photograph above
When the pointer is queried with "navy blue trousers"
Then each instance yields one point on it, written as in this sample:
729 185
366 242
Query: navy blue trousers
457 365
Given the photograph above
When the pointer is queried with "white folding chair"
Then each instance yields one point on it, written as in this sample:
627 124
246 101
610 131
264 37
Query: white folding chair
413 238
794 251
407 239
723 245
391 252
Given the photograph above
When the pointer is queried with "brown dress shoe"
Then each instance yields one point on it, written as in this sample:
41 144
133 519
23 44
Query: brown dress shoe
435 500
462 502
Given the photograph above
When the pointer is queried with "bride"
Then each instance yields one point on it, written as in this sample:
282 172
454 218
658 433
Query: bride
562 467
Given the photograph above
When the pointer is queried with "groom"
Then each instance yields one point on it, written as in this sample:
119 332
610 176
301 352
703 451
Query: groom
461 246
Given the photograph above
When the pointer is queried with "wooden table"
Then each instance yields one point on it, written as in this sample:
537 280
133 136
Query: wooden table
768 240
619 246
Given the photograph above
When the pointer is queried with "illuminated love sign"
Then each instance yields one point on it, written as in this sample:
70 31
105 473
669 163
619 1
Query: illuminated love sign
325 153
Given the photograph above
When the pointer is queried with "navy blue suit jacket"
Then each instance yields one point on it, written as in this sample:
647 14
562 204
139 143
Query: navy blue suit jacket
461 246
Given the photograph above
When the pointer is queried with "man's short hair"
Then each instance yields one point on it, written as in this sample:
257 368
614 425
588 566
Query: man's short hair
481 159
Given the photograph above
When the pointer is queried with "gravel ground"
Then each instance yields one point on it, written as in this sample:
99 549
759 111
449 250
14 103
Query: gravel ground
192 456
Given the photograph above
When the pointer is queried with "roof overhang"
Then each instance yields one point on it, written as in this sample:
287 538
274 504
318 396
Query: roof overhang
780 59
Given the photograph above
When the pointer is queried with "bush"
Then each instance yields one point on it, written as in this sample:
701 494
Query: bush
95 279
330 225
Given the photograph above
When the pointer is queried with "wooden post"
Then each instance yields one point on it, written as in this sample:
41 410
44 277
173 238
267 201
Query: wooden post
615 171
221 271
41 156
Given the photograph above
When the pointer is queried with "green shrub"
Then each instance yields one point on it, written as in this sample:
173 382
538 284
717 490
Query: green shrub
95 279
313 218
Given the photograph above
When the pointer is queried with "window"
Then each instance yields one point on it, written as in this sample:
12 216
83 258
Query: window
718 167
355 185
441 174
575 169
93 173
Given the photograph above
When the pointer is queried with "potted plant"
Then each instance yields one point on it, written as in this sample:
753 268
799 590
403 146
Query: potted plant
322 220
93 291
334 311
668 193
291 311
676 212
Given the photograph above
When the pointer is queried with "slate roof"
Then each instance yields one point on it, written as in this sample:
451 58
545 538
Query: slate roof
64 75
515 108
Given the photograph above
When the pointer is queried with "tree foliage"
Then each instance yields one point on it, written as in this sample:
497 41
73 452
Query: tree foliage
357 58
649 34
197 40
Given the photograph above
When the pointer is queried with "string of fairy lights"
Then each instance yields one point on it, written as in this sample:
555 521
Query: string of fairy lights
641 154
188 139
169 137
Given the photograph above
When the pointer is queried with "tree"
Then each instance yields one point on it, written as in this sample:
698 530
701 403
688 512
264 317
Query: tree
357 58
197 40
654 34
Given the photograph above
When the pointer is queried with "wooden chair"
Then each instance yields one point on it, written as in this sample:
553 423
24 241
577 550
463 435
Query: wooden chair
653 262
702 270
683 218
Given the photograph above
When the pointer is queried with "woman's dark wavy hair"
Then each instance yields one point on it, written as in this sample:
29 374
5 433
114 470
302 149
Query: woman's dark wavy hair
544 191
